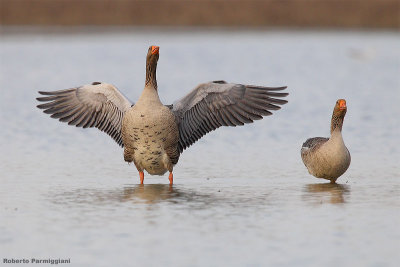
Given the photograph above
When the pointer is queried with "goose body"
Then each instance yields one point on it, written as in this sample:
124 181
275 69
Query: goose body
328 158
153 134
150 135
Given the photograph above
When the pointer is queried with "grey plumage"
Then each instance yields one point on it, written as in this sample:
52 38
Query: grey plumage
214 104
313 143
206 108
98 105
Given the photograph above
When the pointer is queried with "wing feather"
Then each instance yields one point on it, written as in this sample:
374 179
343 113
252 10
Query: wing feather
214 104
98 105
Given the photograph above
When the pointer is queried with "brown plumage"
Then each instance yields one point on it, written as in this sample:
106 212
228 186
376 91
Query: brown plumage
154 135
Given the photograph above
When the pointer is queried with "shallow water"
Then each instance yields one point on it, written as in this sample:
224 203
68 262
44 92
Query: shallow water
242 196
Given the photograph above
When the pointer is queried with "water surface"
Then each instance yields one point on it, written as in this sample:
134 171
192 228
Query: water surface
242 196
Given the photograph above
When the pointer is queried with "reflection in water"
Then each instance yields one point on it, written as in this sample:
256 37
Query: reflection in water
148 193
336 193
154 193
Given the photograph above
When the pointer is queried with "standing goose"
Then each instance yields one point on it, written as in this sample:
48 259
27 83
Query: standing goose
328 158
154 135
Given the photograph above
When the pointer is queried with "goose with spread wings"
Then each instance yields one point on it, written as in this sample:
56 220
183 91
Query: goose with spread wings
152 134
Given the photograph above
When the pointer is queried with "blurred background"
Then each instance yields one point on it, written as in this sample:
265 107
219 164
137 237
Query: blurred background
249 13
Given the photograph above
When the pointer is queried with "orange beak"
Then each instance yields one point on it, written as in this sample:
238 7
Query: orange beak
154 49
342 104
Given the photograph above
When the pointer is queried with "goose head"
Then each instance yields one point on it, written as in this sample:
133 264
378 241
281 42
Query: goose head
340 108
339 111
153 54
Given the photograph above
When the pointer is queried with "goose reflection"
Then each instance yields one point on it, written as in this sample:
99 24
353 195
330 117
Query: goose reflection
318 193
151 193
148 193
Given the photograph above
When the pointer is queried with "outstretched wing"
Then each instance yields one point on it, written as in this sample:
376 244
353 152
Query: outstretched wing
98 105
214 104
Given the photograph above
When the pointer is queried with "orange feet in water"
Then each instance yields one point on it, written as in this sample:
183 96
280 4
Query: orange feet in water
141 175
170 177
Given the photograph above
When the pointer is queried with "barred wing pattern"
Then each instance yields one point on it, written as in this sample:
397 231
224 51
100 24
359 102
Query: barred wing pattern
98 105
214 104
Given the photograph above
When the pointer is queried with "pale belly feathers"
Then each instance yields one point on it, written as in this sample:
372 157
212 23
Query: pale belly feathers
147 134
329 161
